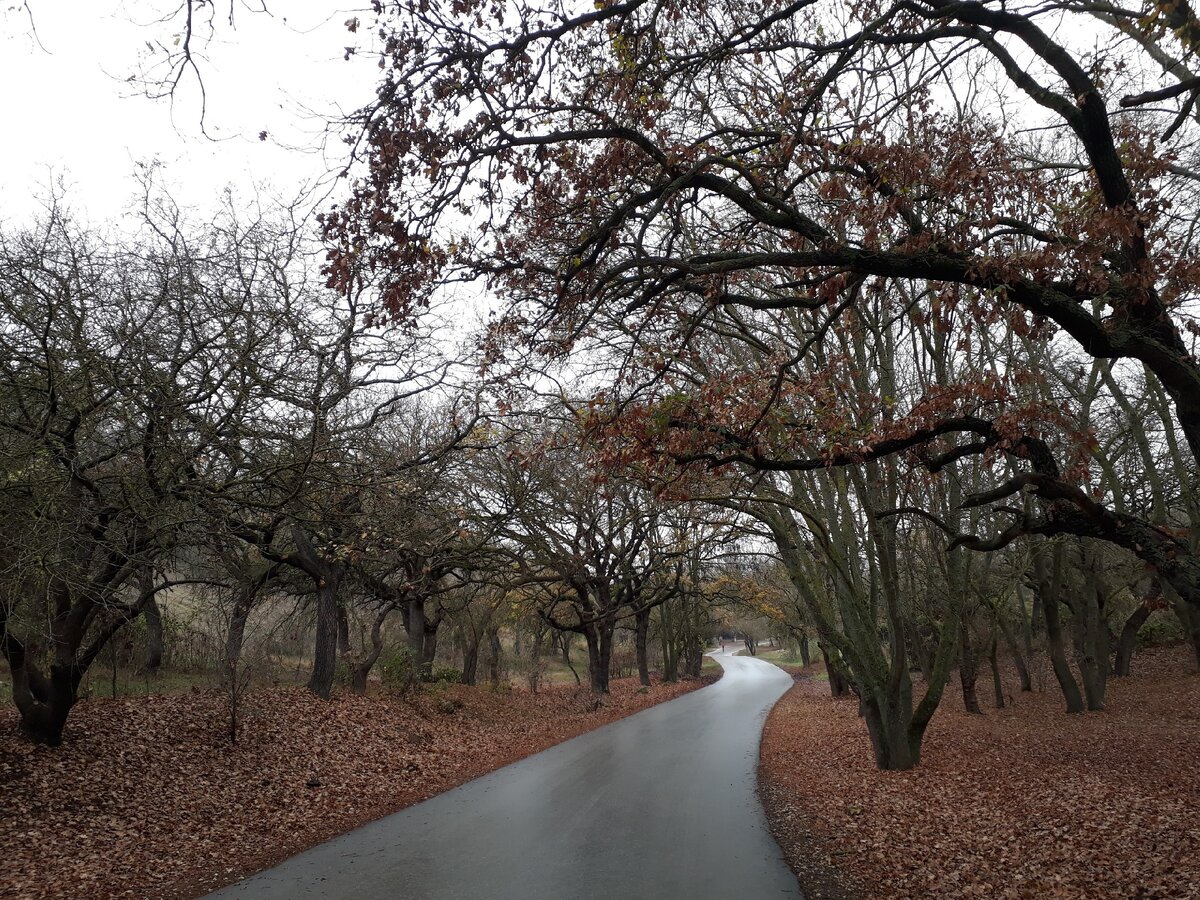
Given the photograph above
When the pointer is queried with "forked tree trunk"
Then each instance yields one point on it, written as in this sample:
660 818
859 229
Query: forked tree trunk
360 668
599 639
327 578
44 702
1018 657
471 644
889 720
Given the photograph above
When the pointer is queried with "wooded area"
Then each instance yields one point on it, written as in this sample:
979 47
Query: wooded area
867 328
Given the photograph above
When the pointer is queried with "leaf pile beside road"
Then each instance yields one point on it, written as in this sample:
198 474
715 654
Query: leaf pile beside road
1022 802
147 799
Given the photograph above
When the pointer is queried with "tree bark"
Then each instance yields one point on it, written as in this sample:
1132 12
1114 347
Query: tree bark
320 681
693 657
599 639
471 645
360 669
1047 579
1189 618
997 681
837 681
343 629
1128 640
154 639
642 636
968 671
494 651
1014 650
1091 644
44 703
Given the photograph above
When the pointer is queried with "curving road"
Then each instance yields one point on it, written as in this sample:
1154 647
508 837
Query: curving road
658 805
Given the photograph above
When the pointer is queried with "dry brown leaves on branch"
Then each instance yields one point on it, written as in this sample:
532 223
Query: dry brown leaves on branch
147 799
1022 802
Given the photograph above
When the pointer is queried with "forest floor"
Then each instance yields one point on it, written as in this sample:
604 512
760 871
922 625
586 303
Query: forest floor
147 798
1021 802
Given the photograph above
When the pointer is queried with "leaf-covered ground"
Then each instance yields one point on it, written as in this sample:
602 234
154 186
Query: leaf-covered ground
1022 802
147 799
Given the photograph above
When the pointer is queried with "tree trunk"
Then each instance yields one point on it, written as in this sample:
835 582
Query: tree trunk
154 638
1189 618
1048 579
429 649
837 681
360 669
671 653
968 670
44 703
414 628
997 682
564 639
693 657
1058 656
236 635
1128 640
888 727
1091 648
599 639
642 635
471 657
494 651
343 630
320 682
805 659
1017 656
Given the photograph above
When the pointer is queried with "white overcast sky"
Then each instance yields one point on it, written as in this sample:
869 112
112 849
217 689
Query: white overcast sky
68 111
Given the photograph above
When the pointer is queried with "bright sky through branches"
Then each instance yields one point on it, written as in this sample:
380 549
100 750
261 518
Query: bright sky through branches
70 110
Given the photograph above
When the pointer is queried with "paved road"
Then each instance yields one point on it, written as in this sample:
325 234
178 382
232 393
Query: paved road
656 806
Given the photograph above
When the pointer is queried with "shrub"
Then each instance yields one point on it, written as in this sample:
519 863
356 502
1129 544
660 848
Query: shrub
1163 627
446 675
396 670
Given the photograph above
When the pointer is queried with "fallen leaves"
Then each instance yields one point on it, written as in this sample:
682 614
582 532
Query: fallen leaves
147 799
1023 802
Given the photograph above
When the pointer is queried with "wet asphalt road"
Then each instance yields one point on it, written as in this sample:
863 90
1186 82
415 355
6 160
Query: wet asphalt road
658 805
